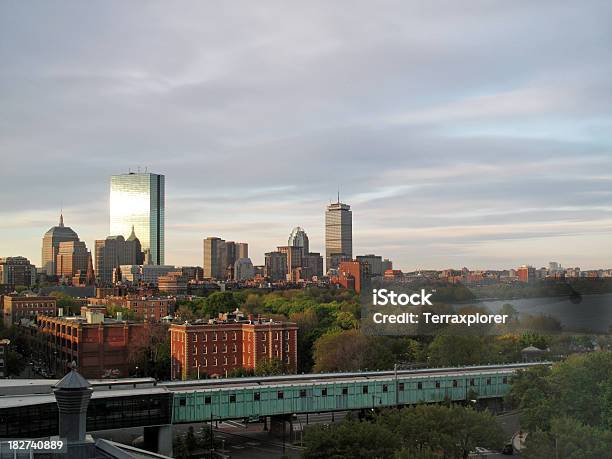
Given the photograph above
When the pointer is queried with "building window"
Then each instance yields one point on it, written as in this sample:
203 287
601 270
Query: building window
224 336
345 391
264 337
224 360
224 348
256 396
215 336
385 388
215 349
235 337
280 395
205 362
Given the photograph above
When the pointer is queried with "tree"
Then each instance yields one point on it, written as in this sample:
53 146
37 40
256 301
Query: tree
271 367
453 350
349 439
349 350
67 302
568 438
218 303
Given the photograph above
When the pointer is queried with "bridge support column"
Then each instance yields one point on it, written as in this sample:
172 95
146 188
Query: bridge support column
281 426
158 439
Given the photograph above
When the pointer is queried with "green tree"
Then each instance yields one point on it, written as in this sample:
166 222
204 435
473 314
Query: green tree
219 302
271 367
569 439
349 439
453 350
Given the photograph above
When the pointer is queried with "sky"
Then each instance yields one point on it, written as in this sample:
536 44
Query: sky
472 133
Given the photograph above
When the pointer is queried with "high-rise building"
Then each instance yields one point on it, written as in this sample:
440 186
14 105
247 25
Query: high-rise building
275 266
72 256
298 238
215 258
338 233
17 271
113 252
243 269
242 250
220 257
137 205
50 245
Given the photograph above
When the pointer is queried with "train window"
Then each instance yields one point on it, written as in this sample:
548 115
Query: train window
488 381
437 384
302 393
256 396
420 385
365 389
324 392
280 395
455 383
345 391
207 400
401 387
472 382
232 398
505 380
385 388
182 402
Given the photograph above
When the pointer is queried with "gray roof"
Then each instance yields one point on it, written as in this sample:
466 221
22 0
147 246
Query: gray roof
73 380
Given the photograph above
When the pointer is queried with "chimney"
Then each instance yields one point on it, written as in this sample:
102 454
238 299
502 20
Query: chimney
72 394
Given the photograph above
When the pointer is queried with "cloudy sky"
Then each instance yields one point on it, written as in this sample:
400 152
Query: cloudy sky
471 133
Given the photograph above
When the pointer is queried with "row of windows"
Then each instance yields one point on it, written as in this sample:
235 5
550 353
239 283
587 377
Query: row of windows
215 336
280 395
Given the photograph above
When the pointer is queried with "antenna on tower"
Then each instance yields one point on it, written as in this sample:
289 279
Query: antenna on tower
338 194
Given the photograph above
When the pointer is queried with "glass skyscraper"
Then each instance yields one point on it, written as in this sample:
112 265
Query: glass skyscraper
137 200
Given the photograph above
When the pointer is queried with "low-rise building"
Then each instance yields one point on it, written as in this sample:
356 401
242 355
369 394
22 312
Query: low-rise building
27 307
214 349
101 347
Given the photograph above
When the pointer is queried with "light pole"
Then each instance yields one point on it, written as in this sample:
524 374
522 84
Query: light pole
396 386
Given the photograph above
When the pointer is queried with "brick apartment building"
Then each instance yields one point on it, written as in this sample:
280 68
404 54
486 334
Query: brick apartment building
100 346
216 348
352 275
4 344
149 309
15 308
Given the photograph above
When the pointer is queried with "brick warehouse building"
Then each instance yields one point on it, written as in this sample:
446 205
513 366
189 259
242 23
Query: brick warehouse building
218 347
101 347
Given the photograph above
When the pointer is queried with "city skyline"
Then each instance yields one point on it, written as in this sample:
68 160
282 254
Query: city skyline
455 145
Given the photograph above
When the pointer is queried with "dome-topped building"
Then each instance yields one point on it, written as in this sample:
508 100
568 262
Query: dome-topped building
298 238
50 244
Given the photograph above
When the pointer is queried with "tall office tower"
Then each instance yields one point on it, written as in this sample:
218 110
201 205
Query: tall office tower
298 238
72 256
230 259
50 245
17 271
215 258
113 252
137 204
338 233
242 250
276 266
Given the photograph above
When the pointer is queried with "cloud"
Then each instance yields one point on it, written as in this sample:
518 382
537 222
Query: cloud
431 117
